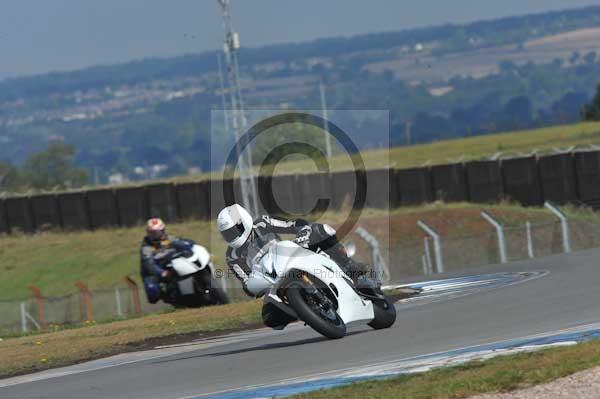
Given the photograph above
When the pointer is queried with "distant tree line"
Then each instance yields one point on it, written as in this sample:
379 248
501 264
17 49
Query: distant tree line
180 133
50 169
591 111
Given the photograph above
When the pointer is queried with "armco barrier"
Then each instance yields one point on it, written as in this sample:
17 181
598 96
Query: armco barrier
132 206
413 186
284 192
314 192
380 187
587 167
449 182
562 178
73 211
216 196
484 180
19 214
343 189
102 207
162 201
557 177
192 200
264 186
45 211
521 182
3 222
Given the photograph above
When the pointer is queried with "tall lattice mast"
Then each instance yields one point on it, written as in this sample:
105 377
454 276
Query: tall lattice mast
231 46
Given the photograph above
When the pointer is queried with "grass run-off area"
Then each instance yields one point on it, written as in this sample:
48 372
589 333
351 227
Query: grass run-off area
544 140
53 349
499 374
54 261
471 148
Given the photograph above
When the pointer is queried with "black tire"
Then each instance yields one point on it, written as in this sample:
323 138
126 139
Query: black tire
385 314
215 295
218 295
332 330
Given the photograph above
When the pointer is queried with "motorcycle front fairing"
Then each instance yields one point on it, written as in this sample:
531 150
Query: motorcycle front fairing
287 258
187 267
199 259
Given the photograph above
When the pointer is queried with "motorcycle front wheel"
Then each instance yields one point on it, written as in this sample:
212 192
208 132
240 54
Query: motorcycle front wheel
385 314
218 294
314 312
208 291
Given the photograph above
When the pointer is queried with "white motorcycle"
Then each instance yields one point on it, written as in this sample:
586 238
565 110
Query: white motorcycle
311 287
193 279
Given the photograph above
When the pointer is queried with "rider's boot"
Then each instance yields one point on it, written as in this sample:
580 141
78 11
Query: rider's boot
357 271
275 318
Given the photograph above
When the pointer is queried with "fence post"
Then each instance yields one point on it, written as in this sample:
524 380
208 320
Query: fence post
437 246
39 300
381 268
135 295
427 256
224 284
26 316
85 296
529 241
564 225
23 317
500 233
118 302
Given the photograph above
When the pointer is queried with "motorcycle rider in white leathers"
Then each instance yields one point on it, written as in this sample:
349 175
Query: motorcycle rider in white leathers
249 240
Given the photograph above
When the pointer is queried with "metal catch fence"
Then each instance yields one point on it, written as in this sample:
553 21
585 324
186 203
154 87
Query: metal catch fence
416 256
41 312
427 254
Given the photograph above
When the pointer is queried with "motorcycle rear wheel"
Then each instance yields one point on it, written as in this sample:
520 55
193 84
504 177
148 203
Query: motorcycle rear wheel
297 296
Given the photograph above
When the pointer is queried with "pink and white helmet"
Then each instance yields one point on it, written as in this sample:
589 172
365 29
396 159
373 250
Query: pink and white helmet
155 229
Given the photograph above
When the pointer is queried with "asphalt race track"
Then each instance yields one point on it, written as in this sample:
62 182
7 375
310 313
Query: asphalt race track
565 296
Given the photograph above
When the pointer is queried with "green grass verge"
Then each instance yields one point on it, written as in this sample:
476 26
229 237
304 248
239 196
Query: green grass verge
503 373
59 348
446 151
472 148
439 152
53 261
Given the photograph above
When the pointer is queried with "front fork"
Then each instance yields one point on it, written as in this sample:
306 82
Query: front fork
311 289
321 299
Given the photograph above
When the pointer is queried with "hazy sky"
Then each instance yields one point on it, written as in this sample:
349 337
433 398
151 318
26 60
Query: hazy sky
42 35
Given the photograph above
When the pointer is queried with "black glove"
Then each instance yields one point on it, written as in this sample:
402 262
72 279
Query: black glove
303 236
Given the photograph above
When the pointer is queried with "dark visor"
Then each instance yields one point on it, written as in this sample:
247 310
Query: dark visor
233 232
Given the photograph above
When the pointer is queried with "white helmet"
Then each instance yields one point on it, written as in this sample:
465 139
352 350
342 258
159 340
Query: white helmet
235 225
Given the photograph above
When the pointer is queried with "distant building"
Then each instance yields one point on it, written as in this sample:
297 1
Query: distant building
150 172
117 178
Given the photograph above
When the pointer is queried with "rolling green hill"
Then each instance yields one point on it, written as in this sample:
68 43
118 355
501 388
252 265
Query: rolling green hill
522 72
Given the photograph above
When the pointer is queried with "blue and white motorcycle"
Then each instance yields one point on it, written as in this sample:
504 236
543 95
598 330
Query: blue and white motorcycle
193 279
